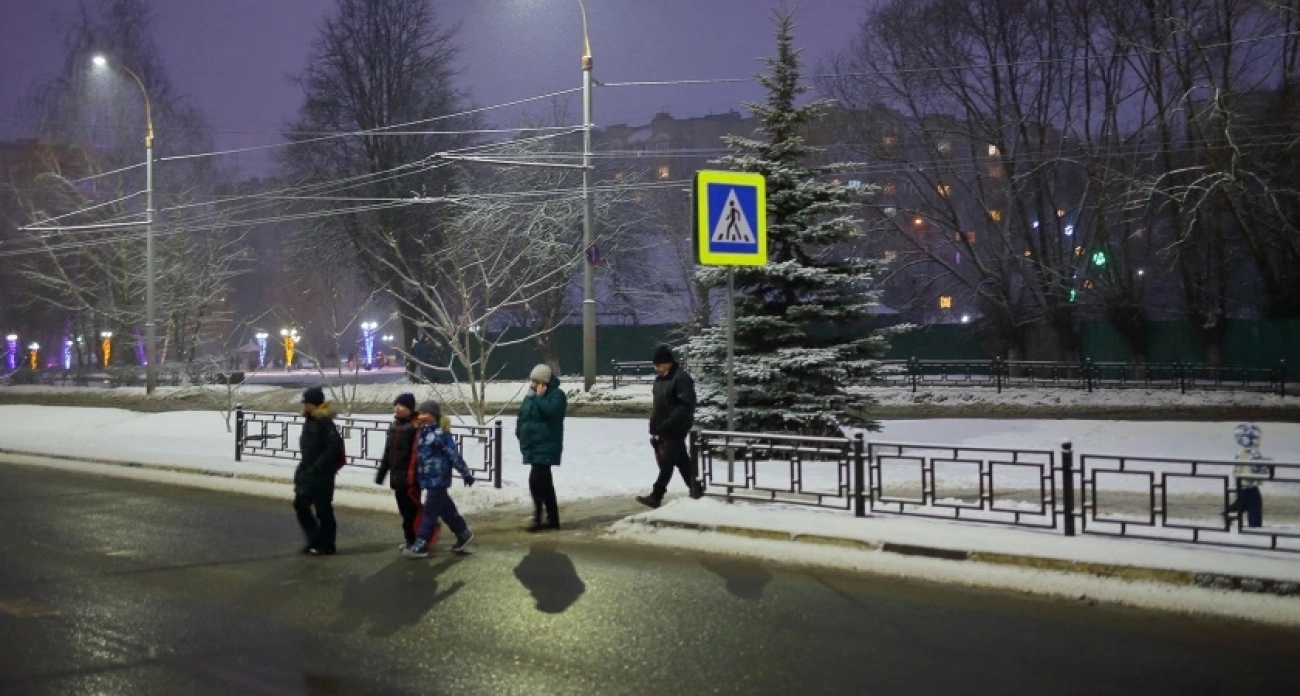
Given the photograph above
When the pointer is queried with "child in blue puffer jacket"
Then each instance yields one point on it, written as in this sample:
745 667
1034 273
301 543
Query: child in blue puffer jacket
438 454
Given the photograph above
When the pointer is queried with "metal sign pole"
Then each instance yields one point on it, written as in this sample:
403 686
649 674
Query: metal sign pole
731 368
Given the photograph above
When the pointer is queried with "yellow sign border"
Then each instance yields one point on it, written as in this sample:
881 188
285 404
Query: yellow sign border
702 232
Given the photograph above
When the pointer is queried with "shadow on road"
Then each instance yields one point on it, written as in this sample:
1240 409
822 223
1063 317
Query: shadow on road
743 580
551 577
397 596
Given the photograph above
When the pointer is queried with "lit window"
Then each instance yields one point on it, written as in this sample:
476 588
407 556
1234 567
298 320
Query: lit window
1087 285
663 172
1078 251
836 182
993 150
995 171
968 236
945 302
1142 272
891 211
889 140
891 256
890 188
943 189
618 176
1069 230
995 215
1060 212
918 222
943 146
1029 253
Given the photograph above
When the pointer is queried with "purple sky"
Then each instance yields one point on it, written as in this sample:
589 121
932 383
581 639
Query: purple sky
233 56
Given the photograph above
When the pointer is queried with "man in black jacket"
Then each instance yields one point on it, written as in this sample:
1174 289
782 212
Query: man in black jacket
671 418
313 481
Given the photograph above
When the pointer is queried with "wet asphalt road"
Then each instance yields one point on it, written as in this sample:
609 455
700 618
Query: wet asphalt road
117 587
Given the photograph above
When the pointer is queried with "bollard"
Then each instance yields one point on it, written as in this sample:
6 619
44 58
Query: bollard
695 461
496 455
1067 486
859 474
239 432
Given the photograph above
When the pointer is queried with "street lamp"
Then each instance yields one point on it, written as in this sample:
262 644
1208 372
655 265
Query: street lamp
151 375
590 253
106 345
35 350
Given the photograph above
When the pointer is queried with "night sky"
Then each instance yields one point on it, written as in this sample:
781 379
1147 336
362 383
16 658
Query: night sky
233 57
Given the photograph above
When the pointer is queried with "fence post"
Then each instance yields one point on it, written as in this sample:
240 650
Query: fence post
913 367
496 455
1281 378
997 370
1088 367
613 370
1182 377
859 476
1067 486
239 432
693 444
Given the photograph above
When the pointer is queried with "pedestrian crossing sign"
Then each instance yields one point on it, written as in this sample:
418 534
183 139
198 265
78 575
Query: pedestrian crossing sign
730 219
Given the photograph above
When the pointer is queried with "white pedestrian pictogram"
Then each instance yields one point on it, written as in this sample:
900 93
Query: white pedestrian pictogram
732 225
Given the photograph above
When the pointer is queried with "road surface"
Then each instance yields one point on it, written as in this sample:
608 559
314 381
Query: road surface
121 587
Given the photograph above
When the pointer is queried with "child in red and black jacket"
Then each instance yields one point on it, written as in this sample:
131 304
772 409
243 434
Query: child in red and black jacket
400 466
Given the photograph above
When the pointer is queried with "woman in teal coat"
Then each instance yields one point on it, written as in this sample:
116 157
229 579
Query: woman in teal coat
540 430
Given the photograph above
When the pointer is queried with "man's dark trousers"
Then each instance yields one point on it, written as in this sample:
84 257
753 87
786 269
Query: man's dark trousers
320 528
673 455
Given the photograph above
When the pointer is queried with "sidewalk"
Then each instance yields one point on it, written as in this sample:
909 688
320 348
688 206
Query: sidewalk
726 525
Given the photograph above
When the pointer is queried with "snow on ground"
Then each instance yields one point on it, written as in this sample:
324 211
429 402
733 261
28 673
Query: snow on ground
1149 595
1045 543
1102 397
603 457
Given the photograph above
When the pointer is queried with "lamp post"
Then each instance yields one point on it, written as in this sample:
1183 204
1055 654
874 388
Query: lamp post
150 370
590 254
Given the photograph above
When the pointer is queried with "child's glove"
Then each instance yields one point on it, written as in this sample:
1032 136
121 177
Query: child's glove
469 481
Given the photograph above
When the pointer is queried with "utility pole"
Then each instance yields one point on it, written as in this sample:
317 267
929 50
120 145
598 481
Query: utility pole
590 252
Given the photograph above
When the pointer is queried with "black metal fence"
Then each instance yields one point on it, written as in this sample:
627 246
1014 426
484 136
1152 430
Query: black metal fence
1180 500
270 434
1087 375
641 371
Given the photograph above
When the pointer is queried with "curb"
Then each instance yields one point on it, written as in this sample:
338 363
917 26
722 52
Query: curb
256 478
1214 581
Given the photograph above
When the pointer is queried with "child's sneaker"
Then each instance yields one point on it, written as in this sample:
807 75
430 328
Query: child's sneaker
462 540
417 550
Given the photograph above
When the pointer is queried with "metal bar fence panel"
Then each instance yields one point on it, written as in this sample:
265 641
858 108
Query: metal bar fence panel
275 435
1186 500
811 471
998 486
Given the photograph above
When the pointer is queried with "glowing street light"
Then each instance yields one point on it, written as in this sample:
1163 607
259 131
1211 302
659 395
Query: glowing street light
12 341
151 374
34 351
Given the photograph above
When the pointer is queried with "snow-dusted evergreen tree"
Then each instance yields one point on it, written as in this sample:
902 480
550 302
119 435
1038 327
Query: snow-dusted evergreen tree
794 358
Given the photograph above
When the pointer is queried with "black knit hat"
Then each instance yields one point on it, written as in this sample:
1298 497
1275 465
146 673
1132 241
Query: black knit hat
430 407
314 396
664 356
406 399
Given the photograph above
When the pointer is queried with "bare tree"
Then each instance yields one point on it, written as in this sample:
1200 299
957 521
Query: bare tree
383 70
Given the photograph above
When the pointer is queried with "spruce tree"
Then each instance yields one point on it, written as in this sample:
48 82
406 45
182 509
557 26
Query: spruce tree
799 340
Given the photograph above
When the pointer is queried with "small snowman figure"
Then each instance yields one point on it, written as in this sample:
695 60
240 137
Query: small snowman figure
1249 473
